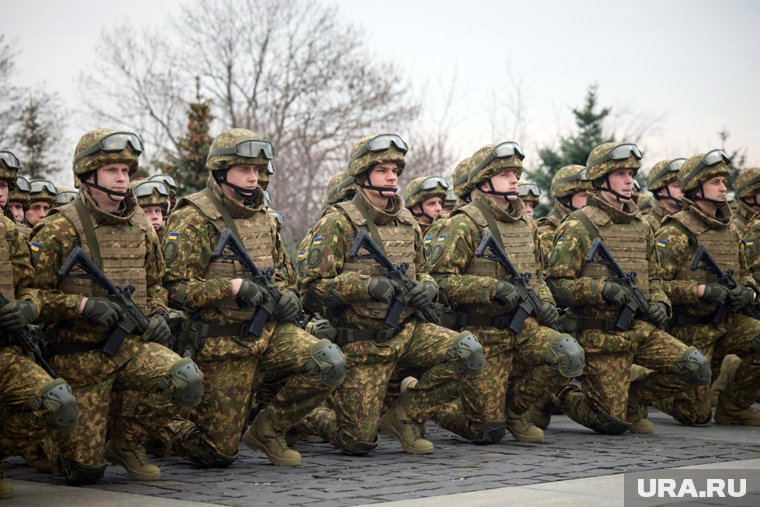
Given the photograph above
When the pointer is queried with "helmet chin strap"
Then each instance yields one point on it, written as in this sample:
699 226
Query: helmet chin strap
618 196
505 195
667 197
110 193
700 196
366 184
422 214
248 195
567 202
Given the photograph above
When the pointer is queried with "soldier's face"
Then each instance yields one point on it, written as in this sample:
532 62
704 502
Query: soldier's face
3 193
431 207
675 190
17 211
154 216
244 176
505 181
384 175
36 212
528 210
621 181
715 188
578 200
113 177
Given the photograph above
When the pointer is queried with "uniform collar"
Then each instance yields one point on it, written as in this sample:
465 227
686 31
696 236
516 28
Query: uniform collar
721 220
122 216
629 213
381 216
513 213
237 209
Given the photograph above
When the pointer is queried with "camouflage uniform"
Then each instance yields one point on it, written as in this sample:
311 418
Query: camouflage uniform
19 195
153 193
608 403
415 194
746 184
230 358
660 176
147 377
334 281
470 285
677 240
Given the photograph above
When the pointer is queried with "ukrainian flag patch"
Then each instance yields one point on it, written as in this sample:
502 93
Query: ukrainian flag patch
749 242
317 240
428 239
560 241
35 246
301 255
172 236
661 243
441 237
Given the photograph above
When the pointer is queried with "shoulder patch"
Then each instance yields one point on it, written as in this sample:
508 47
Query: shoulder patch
34 246
172 236
749 242
441 237
315 257
661 243
436 253
560 241
170 250
317 240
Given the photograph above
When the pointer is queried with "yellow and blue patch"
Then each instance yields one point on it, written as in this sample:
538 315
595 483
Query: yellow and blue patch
441 237
661 243
301 254
35 246
173 236
428 239
560 241
749 242
317 240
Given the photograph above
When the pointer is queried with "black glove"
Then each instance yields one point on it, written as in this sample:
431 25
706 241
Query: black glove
249 295
740 297
289 306
422 294
715 293
615 294
658 314
548 315
101 312
157 331
17 313
507 295
381 289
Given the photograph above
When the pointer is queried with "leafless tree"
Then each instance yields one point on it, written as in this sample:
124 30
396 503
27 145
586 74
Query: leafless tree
8 92
508 109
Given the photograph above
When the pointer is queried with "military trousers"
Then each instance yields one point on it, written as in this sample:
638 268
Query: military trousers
352 422
739 335
137 374
209 433
23 420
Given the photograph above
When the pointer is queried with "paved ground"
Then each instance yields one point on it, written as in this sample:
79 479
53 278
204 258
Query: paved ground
584 460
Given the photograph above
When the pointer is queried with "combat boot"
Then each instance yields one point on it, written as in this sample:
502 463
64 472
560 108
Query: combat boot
397 423
261 436
642 426
134 459
541 415
728 367
411 382
6 488
728 413
522 429
637 418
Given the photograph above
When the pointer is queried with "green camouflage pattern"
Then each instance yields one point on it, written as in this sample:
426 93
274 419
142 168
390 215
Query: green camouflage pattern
743 214
8 174
659 176
594 171
656 215
706 173
341 187
413 195
99 159
751 239
368 160
459 177
546 226
567 182
747 183
228 139
493 168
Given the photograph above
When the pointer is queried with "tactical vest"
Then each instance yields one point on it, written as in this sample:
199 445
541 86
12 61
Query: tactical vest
6 269
550 220
122 249
626 243
398 241
257 234
723 245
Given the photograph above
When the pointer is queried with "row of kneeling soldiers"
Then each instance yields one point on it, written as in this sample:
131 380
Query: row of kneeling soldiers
451 306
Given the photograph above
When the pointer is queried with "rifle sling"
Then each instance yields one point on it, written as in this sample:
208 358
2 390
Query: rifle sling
228 221
362 207
490 220
89 232
593 232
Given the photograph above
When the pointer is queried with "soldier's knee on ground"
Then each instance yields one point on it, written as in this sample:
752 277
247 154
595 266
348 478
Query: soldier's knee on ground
492 432
80 474
327 362
352 447
467 353
606 424
57 398
694 366
205 454
566 355
184 383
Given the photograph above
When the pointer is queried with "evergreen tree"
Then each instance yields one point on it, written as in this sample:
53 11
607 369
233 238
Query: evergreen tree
575 148
38 127
188 167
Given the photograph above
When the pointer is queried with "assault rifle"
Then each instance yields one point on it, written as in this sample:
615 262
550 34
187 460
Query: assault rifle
132 319
530 303
29 343
261 278
704 260
397 273
637 303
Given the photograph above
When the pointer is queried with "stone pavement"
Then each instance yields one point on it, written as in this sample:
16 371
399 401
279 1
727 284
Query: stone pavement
328 478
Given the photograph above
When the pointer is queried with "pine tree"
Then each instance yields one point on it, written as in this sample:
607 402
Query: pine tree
573 149
37 130
188 167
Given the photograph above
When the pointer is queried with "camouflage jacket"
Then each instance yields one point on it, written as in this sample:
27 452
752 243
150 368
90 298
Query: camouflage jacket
18 264
547 226
656 215
752 248
743 215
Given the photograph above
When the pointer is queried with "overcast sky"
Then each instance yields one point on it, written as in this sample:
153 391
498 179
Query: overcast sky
693 64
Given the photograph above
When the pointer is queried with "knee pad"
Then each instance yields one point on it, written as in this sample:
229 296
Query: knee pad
467 352
187 379
492 432
203 453
567 354
694 366
353 447
327 362
79 474
57 398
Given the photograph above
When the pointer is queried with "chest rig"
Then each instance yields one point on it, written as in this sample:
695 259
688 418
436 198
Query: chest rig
256 233
397 238
119 248
6 269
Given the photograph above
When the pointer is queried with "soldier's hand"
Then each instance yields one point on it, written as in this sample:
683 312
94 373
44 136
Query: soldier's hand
740 297
249 295
548 315
422 294
615 294
289 306
507 295
157 331
658 314
715 293
101 312
17 313
381 289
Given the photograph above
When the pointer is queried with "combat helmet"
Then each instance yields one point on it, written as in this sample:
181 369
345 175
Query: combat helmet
459 177
747 184
42 190
341 187
152 193
608 158
372 150
65 196
423 188
529 192
20 192
700 168
101 147
491 160
169 182
236 147
9 167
